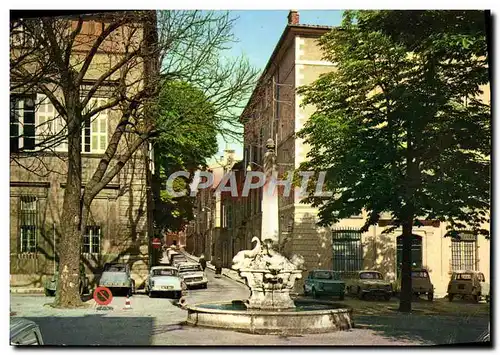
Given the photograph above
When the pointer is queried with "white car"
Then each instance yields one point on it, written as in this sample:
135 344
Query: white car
193 275
165 279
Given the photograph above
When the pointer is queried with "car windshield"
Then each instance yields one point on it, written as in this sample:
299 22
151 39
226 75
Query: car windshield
115 268
370 275
323 275
464 276
190 268
165 272
419 274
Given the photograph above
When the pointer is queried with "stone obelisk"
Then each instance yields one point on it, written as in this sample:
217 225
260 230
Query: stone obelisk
270 215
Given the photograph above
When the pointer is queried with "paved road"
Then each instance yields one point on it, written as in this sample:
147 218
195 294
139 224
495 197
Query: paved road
158 321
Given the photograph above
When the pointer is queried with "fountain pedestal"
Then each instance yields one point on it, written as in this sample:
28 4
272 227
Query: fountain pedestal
268 290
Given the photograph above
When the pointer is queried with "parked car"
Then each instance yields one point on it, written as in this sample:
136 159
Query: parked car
165 279
117 277
51 284
368 282
193 274
420 284
177 258
468 283
324 283
24 332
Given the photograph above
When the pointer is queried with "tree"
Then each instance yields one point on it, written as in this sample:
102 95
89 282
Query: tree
125 56
399 125
189 137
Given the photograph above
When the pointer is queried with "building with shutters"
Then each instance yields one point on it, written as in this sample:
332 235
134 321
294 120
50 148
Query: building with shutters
120 224
274 111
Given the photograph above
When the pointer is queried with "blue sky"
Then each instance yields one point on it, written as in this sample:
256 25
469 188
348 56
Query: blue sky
258 32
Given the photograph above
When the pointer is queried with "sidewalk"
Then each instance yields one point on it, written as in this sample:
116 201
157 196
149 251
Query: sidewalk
231 274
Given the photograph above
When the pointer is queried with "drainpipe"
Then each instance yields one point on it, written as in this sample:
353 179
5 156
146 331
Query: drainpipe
54 245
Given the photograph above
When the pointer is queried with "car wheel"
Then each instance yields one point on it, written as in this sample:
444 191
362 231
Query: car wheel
450 297
430 296
49 293
314 294
476 298
205 285
150 294
360 294
487 298
387 297
305 291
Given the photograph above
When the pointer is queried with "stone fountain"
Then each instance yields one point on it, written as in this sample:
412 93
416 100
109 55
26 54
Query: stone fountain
270 277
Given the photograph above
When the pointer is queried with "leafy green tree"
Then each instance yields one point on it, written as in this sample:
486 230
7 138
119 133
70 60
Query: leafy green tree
188 123
400 126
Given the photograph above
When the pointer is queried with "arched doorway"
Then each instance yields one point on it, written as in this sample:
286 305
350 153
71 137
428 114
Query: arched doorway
416 252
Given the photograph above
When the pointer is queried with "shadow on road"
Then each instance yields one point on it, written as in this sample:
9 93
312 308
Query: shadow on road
425 328
95 330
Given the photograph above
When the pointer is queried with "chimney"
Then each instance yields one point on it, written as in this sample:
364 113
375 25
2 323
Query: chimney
293 17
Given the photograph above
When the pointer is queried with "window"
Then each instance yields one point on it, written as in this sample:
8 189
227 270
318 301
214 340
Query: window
463 251
323 275
22 122
92 240
416 253
419 275
347 250
115 267
28 224
95 129
50 124
165 272
190 268
370 276
229 217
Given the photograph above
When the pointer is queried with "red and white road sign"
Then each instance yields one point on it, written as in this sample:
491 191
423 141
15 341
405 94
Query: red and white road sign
103 295
156 243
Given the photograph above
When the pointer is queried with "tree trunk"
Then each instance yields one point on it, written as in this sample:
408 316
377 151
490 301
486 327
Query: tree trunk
67 295
406 292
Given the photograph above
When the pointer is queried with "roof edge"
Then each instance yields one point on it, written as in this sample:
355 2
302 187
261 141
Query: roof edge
289 28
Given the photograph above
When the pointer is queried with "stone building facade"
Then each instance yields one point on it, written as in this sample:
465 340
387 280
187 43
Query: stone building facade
274 111
119 228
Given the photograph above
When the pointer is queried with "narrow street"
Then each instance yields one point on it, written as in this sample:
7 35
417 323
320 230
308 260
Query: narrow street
158 321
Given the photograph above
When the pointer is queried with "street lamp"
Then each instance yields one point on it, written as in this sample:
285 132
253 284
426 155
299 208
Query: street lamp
249 166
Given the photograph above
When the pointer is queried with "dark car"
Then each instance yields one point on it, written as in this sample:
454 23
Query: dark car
24 332
51 284
324 282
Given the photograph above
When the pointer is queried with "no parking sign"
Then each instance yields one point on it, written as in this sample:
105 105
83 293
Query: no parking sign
103 295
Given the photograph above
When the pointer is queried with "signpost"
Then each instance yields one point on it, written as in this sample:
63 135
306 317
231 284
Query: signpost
103 297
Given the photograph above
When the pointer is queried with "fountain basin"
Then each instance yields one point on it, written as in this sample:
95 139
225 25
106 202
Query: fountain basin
308 316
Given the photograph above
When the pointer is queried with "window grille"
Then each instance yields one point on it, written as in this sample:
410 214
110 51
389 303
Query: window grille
28 224
347 249
463 251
